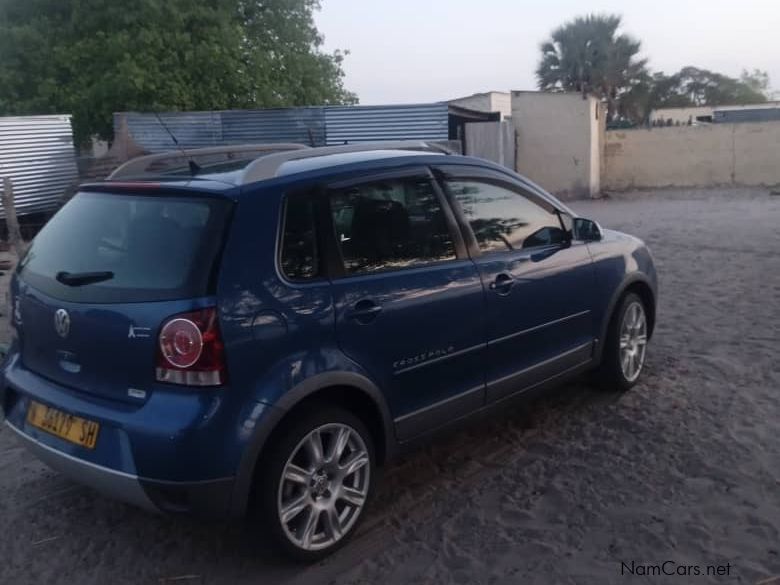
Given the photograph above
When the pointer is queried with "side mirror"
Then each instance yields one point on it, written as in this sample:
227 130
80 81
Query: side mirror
586 230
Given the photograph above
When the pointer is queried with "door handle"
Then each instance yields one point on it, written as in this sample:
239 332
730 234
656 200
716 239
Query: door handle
502 284
364 311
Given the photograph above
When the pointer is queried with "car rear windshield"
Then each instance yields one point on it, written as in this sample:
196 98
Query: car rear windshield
110 248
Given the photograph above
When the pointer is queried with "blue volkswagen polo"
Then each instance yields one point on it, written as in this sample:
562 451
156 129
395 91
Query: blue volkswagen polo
258 333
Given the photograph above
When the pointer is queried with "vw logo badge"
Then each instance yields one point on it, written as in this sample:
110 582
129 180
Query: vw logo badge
62 322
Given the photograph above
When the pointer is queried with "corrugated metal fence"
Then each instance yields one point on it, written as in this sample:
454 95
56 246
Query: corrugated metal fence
37 153
314 126
191 129
746 115
202 129
301 125
403 122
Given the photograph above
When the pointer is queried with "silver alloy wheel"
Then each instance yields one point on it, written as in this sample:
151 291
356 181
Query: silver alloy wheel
633 341
324 486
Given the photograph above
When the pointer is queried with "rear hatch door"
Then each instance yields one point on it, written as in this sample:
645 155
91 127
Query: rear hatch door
102 276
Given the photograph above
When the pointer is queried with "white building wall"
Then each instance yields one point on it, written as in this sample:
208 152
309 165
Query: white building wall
558 144
698 156
491 101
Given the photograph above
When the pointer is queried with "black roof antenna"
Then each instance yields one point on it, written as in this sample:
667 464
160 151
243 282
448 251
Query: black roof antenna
194 167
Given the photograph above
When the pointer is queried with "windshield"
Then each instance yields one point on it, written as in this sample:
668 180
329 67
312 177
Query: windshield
104 247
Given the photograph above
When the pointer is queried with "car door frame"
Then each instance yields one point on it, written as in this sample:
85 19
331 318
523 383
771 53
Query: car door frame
563 363
439 413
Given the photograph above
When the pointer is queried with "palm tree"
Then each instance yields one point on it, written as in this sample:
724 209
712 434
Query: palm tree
589 56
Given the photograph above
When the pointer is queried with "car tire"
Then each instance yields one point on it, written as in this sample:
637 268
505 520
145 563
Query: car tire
625 348
315 483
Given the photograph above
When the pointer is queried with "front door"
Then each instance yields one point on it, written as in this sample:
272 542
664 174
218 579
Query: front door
539 286
409 301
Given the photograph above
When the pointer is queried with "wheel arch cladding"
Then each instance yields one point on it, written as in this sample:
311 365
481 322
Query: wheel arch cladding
350 391
634 284
345 396
643 290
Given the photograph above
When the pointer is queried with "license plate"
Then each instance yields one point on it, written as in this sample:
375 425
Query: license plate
71 428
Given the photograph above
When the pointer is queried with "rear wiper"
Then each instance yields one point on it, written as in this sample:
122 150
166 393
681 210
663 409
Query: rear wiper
82 278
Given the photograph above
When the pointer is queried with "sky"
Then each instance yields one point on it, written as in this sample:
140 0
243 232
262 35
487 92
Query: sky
407 51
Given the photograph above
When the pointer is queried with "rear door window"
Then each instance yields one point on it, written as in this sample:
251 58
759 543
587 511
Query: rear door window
143 247
390 225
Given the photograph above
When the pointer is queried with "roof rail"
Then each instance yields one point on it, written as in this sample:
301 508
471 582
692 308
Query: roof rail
268 166
137 166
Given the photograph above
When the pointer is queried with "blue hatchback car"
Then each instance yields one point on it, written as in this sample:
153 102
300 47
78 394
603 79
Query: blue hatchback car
259 332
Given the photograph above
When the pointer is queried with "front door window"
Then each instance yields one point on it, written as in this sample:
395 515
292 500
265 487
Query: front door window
502 219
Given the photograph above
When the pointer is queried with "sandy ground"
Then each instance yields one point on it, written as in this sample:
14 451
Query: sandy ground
685 468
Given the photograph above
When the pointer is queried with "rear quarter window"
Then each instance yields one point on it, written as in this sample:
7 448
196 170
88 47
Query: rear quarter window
156 247
299 254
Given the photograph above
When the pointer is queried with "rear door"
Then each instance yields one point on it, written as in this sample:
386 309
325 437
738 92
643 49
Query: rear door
539 285
102 276
409 301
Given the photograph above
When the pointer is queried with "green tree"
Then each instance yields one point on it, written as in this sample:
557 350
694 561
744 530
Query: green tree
588 55
756 80
707 88
650 92
92 58
690 87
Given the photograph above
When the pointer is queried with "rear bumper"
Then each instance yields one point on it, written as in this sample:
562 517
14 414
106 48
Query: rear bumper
123 486
180 452
210 497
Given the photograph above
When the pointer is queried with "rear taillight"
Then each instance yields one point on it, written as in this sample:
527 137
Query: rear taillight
190 350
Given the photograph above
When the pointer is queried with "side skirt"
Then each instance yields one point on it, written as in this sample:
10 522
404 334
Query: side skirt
450 416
